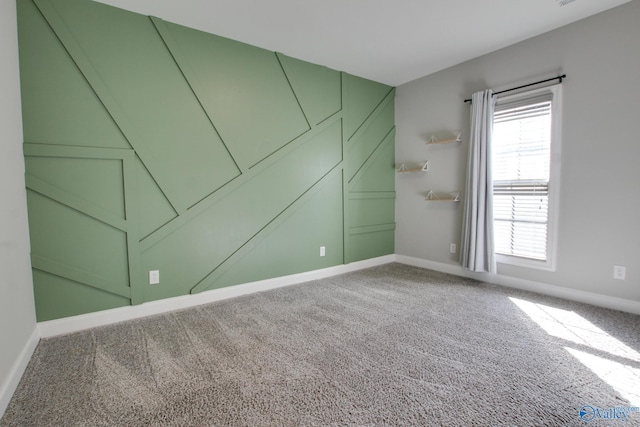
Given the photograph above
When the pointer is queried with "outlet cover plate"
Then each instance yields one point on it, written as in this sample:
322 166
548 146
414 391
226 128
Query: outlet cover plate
154 277
619 272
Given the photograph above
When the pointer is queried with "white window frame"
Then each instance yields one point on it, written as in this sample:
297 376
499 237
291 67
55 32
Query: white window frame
554 178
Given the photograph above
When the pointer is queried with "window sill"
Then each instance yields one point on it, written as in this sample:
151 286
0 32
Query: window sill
547 265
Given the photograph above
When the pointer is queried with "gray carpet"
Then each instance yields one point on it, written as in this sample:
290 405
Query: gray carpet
392 345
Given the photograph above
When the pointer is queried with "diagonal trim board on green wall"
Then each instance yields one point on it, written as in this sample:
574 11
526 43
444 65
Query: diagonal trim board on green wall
318 89
315 212
152 146
163 115
224 268
268 163
369 132
207 239
67 223
275 117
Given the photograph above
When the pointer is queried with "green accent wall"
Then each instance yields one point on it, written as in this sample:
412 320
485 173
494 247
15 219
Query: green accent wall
152 146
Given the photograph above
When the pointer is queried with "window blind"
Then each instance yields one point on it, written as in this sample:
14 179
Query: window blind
521 148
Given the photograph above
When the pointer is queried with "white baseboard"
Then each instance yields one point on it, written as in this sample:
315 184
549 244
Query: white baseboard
81 322
577 295
85 321
71 324
11 383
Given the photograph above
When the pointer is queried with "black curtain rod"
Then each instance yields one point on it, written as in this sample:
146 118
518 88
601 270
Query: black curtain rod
559 78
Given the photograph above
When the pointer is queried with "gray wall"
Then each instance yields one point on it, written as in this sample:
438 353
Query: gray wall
599 223
17 316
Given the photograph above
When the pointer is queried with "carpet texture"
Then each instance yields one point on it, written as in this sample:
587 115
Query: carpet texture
392 345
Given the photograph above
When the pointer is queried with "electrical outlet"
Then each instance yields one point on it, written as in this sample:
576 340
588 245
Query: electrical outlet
452 248
322 251
619 272
154 277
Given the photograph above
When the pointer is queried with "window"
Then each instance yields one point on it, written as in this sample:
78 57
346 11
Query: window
525 150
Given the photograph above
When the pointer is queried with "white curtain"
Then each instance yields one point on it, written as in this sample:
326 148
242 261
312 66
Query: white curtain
477 249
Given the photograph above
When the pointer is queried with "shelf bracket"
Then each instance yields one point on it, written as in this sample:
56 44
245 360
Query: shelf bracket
434 140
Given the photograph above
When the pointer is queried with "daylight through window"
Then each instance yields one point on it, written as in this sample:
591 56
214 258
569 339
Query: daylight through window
521 168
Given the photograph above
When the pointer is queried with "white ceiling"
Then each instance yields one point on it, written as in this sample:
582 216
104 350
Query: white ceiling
389 41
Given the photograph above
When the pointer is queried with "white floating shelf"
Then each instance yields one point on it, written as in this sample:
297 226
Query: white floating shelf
404 168
434 140
445 197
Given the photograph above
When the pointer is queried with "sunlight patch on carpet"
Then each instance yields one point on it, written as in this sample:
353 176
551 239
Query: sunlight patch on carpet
621 370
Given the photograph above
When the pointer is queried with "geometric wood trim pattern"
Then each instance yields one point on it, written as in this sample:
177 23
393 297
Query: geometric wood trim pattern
271 161
374 147
221 269
81 205
77 275
190 76
129 224
92 75
242 162
387 141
